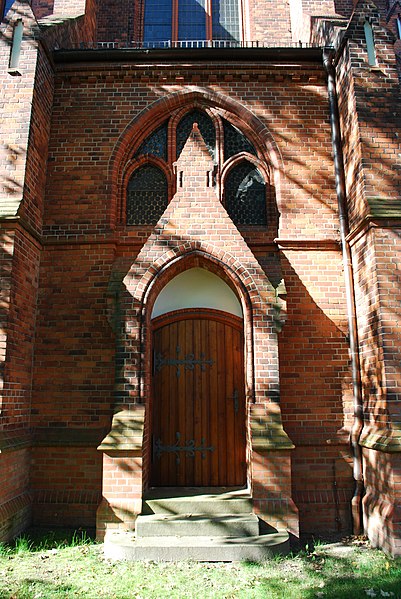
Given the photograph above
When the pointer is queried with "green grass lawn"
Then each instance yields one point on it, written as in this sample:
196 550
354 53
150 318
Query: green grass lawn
53 566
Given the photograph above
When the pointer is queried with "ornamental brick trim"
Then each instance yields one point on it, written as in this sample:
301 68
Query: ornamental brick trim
15 516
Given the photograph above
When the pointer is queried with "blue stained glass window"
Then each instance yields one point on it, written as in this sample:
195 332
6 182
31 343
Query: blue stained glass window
226 24
192 20
157 21
7 6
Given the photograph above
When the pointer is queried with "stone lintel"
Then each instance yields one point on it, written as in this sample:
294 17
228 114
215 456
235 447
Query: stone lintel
126 433
269 437
387 440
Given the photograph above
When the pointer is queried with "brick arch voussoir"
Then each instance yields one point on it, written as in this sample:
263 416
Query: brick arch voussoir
147 279
179 258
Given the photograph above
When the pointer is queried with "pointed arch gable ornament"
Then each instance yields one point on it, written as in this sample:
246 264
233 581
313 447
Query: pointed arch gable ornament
159 110
195 230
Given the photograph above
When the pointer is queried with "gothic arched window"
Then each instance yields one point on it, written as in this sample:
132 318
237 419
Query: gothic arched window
147 195
245 195
199 21
240 177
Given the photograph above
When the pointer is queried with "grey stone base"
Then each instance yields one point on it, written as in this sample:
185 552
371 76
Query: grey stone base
125 546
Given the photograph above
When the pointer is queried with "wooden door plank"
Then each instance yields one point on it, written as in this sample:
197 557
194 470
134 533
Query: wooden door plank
172 416
230 390
197 402
239 425
181 415
219 399
205 406
211 405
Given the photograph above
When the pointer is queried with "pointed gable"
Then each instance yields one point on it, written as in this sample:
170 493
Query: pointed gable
196 219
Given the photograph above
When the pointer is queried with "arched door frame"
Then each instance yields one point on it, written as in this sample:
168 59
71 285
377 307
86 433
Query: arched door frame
175 266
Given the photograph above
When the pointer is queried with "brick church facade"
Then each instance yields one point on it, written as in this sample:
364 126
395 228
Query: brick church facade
200 260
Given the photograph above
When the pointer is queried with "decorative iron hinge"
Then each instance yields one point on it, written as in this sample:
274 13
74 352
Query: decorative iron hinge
189 448
189 362
235 399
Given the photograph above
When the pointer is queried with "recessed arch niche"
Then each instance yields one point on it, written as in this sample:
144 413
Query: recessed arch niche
197 288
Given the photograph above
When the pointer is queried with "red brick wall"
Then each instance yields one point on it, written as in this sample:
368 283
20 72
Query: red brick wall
69 7
388 259
74 362
15 502
119 22
317 7
42 8
371 124
75 342
6 263
65 483
344 7
14 474
20 332
31 208
261 17
20 265
370 136
23 155
316 397
17 94
322 486
87 252
381 500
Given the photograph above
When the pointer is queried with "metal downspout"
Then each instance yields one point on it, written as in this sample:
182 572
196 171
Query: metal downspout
349 288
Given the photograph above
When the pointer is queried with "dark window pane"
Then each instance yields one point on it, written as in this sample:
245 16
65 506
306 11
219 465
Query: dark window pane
191 20
155 143
157 21
206 127
226 24
245 195
147 196
235 141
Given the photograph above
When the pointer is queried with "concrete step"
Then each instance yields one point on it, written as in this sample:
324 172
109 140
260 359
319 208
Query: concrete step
125 546
186 525
209 501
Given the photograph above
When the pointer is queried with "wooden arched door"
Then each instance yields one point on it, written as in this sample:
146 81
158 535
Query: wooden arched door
198 400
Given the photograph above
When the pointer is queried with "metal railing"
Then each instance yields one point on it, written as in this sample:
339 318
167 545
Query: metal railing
186 44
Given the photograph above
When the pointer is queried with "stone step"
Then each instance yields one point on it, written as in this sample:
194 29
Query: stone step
210 501
125 546
186 525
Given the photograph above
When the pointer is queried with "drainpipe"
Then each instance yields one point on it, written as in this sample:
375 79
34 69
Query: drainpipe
349 289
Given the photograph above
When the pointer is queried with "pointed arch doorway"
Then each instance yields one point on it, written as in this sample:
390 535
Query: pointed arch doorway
198 416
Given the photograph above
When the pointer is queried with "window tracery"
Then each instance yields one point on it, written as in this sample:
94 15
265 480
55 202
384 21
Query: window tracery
242 185
245 195
204 21
155 144
206 127
147 195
